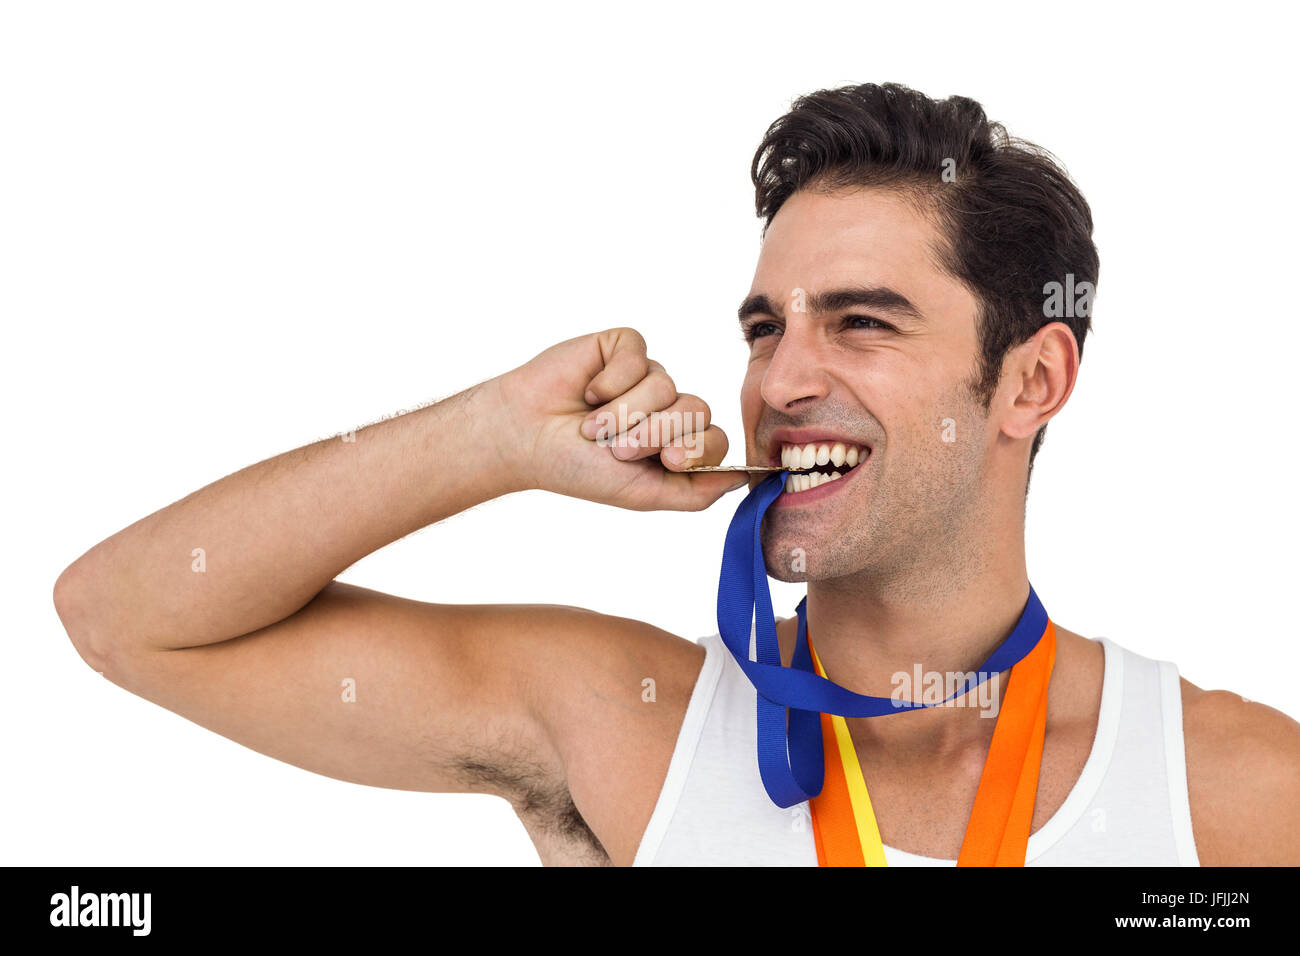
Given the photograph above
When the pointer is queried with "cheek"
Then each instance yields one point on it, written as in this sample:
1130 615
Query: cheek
751 397
926 427
950 436
938 408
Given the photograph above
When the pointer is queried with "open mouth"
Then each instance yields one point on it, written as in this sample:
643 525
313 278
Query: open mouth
817 463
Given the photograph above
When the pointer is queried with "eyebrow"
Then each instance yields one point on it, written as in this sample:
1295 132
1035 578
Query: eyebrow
835 300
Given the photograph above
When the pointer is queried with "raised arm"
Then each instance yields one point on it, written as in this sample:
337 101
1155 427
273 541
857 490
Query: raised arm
222 606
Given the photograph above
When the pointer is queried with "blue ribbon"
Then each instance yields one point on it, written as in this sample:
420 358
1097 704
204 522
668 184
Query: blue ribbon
790 757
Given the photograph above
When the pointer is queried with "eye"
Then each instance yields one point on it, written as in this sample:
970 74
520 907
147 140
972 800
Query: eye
864 322
758 330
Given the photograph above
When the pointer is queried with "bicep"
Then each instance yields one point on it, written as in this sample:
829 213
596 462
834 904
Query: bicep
372 689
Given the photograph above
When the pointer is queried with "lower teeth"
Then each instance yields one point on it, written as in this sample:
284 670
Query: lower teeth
809 480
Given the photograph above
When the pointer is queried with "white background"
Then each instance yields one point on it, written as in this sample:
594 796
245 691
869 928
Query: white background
230 229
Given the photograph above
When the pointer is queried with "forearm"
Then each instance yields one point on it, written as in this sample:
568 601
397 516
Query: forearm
254 547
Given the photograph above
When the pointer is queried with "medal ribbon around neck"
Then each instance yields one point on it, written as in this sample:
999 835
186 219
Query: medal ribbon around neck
797 706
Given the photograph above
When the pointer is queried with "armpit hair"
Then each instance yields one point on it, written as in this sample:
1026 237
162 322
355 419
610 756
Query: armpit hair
537 799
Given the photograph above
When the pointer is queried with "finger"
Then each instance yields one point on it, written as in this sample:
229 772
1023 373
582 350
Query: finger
695 492
653 393
686 417
622 352
704 490
692 450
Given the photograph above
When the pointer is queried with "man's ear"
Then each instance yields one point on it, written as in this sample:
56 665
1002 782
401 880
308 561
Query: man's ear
1038 378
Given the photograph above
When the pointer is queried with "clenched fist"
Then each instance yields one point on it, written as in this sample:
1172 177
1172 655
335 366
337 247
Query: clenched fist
595 418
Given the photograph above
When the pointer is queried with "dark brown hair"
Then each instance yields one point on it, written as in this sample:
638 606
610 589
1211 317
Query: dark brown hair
1013 219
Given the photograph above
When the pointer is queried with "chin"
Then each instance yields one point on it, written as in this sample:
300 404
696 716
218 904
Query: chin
791 564
786 576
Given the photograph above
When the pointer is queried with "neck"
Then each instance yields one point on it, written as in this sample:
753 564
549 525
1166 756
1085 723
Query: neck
869 632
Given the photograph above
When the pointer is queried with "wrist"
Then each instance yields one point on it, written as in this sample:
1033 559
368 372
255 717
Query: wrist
491 426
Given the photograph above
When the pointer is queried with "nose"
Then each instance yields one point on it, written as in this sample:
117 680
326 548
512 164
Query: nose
795 375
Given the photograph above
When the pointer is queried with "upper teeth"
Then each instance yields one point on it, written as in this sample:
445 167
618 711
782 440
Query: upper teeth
803 457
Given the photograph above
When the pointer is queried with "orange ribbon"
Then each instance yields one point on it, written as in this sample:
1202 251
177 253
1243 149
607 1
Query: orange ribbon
997 834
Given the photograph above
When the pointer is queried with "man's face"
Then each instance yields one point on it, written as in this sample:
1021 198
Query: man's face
886 369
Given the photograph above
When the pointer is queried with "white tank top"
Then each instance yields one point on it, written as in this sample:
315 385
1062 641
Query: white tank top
1128 808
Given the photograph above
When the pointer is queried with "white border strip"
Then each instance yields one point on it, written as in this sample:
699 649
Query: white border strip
1085 789
1171 713
688 740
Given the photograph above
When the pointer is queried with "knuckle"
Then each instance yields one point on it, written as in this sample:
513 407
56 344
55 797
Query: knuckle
662 383
630 337
695 404
620 332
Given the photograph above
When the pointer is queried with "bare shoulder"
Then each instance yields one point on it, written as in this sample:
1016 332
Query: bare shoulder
1243 779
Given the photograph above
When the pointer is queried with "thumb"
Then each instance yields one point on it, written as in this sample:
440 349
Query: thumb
695 492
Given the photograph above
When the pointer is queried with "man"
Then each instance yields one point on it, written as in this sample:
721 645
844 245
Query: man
915 320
